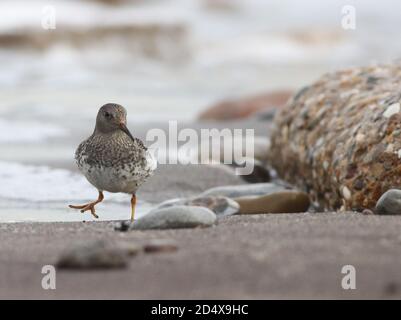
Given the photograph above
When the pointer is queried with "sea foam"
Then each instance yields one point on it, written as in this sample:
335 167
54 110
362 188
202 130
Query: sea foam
45 184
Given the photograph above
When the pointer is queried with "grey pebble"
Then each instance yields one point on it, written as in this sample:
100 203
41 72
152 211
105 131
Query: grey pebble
98 254
176 217
237 191
389 203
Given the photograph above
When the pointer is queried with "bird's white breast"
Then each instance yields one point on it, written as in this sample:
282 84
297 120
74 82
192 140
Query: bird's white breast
119 179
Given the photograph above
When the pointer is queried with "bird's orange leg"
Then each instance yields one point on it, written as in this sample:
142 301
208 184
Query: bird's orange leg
90 206
133 204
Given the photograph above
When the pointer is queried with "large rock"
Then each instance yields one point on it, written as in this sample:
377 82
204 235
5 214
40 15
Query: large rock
340 138
290 201
176 217
242 108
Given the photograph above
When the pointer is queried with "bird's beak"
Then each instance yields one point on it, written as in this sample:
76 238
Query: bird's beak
124 128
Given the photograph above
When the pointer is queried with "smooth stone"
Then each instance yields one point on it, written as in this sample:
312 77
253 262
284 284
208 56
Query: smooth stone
176 217
389 203
122 226
221 206
278 202
243 190
265 115
261 149
260 174
160 245
95 255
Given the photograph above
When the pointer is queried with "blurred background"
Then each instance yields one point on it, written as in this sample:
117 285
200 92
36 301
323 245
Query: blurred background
163 60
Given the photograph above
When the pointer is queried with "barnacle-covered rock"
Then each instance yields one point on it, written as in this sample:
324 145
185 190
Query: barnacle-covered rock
340 138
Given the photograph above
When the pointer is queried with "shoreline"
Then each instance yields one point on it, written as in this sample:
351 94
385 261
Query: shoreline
243 257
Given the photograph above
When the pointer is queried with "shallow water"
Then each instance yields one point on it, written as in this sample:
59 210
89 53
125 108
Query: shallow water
53 212
39 193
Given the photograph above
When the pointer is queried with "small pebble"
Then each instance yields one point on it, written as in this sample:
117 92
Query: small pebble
156 246
389 203
176 217
122 226
391 289
367 212
260 172
94 255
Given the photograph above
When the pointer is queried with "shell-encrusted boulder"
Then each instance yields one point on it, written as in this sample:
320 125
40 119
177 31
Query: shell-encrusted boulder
340 138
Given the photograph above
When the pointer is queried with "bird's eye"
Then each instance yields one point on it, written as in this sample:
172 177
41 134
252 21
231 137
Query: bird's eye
108 115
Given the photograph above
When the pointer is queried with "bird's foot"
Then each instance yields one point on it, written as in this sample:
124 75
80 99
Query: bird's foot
90 206
86 207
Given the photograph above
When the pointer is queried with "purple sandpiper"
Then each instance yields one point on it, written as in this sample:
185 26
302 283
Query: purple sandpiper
112 159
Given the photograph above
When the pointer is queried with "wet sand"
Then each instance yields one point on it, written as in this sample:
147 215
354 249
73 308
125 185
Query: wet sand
59 89
243 257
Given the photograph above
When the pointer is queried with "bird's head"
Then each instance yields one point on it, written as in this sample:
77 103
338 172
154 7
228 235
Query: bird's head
112 117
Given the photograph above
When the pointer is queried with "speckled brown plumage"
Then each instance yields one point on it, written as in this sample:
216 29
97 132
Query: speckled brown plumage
111 158
129 159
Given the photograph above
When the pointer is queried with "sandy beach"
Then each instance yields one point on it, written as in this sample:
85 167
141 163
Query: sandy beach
242 257
177 60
